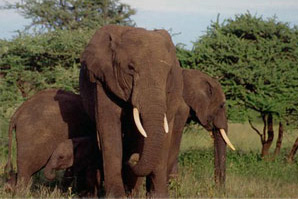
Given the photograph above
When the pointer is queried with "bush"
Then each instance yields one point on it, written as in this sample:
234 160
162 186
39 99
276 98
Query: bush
31 63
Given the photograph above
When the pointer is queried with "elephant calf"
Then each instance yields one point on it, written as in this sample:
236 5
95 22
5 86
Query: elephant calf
83 156
41 123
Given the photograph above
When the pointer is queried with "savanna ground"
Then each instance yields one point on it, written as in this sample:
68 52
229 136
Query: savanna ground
248 176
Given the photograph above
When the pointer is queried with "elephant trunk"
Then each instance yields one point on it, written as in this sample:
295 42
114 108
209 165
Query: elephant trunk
153 122
49 172
219 158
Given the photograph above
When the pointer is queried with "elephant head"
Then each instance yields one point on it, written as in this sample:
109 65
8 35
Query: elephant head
207 102
137 67
61 158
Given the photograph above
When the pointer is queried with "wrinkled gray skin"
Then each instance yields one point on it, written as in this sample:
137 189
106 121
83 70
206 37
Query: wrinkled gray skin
41 123
83 156
123 68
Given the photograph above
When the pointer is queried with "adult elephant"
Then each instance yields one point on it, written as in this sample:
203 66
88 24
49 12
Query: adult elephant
206 101
132 71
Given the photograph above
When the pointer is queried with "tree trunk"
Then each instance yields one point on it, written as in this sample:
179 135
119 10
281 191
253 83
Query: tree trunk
267 143
293 151
279 140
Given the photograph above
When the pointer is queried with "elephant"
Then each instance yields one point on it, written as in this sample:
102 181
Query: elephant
83 155
133 71
41 123
206 101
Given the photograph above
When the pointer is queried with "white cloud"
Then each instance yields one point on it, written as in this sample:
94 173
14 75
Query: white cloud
210 6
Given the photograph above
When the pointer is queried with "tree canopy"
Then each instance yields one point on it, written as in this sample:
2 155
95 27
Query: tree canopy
73 14
256 62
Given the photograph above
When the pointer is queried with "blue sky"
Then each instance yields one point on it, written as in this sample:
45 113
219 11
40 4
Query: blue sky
189 18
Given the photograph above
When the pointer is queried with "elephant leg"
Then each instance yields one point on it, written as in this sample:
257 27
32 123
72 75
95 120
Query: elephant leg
132 182
173 173
67 179
156 184
108 124
23 178
180 120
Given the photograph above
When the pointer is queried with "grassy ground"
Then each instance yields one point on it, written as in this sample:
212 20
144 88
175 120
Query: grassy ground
247 174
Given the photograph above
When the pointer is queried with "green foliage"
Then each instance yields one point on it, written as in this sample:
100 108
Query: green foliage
32 63
73 14
186 57
255 60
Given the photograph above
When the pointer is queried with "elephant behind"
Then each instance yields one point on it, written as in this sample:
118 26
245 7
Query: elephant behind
41 123
206 100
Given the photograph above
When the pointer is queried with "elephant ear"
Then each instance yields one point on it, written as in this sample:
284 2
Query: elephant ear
197 93
97 56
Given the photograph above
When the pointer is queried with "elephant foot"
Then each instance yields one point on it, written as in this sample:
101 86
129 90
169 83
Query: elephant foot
115 192
8 188
157 195
174 172
10 184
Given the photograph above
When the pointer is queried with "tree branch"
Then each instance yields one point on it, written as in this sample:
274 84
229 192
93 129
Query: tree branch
255 129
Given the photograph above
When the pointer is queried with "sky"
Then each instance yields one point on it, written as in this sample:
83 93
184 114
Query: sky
186 20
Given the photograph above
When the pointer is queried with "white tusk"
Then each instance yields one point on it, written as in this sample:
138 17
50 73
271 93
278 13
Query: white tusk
211 134
165 124
136 117
225 137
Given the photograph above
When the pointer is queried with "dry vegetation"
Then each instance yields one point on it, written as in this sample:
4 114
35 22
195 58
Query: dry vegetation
248 175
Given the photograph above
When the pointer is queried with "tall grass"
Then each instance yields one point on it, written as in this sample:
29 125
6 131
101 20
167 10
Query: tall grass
248 176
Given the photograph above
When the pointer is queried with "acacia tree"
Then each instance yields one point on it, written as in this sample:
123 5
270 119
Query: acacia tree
256 62
73 14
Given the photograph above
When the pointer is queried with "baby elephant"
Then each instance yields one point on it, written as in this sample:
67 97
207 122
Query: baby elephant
41 123
83 156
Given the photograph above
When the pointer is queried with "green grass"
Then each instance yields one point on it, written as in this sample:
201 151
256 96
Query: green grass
248 176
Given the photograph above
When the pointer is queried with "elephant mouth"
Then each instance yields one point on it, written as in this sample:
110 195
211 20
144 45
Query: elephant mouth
136 116
225 138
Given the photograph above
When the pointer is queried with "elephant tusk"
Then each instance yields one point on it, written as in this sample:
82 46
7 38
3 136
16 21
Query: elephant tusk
226 139
136 117
166 125
211 135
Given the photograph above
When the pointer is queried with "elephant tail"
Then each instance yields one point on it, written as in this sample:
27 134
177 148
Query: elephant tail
8 169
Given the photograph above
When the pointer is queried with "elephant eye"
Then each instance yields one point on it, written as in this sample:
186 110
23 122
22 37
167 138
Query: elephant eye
60 157
131 67
223 105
